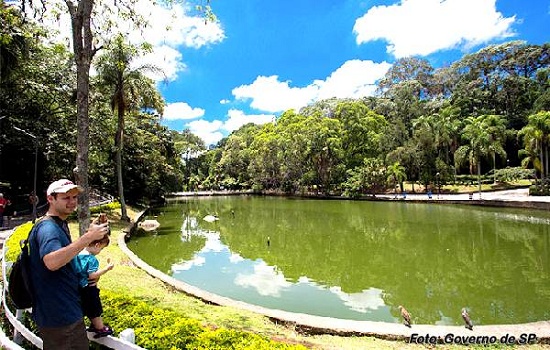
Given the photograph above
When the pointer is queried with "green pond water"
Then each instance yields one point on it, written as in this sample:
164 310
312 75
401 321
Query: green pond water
359 259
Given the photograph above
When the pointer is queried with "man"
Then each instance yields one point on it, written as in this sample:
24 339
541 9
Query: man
3 204
56 305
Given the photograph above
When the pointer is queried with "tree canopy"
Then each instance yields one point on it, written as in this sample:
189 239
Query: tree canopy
484 112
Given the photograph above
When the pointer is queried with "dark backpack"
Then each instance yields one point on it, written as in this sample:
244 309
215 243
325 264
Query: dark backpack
19 282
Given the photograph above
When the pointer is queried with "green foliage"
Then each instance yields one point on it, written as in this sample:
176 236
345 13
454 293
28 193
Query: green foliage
370 177
105 208
158 328
513 174
541 188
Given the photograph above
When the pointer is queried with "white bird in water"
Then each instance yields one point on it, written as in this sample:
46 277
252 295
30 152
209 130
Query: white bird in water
149 225
210 218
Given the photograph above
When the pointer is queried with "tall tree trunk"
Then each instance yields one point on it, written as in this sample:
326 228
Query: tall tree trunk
119 144
494 168
546 160
82 48
479 177
542 175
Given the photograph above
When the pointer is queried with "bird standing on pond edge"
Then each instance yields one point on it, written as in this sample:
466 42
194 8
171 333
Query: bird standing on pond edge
467 320
406 316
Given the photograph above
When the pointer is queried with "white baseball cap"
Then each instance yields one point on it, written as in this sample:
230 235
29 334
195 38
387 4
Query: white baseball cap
62 186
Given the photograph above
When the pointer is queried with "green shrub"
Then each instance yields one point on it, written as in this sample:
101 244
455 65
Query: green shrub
105 208
21 232
158 328
541 188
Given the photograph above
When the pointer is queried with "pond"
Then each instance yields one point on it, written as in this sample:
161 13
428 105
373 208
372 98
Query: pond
359 260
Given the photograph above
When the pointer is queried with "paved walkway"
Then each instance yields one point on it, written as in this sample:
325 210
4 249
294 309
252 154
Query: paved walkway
516 195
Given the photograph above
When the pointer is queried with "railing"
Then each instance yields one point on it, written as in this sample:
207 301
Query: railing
126 342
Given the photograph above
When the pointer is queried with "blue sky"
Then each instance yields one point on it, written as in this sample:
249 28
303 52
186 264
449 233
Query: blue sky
263 57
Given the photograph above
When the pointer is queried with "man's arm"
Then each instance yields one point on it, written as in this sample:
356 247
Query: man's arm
61 257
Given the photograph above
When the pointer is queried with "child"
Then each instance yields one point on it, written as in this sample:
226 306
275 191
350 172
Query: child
87 268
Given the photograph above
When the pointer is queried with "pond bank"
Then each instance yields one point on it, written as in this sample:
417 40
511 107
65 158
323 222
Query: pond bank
516 198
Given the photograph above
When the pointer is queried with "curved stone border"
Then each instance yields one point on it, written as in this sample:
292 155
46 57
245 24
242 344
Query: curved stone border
310 324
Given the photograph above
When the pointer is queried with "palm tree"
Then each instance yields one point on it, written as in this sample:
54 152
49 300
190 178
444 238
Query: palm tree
478 145
496 129
130 90
536 137
396 173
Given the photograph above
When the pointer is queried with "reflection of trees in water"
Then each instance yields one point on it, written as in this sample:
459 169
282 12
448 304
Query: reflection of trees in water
435 259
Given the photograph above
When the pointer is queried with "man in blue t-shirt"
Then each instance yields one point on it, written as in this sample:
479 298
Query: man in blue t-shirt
56 305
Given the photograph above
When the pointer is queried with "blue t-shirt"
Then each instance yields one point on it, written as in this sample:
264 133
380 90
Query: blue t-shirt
56 299
85 264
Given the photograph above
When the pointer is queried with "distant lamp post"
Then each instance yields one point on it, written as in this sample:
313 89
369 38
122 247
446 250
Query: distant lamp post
437 175
34 201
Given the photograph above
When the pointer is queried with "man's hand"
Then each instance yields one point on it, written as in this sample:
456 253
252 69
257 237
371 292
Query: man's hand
96 232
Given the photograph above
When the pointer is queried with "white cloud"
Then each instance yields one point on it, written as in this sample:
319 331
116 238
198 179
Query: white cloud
354 79
213 131
178 28
271 95
237 118
164 57
181 110
208 131
422 27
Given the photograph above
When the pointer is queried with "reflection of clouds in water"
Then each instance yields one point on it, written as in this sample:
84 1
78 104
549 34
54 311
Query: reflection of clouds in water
212 244
369 299
306 280
521 218
197 261
265 279
235 258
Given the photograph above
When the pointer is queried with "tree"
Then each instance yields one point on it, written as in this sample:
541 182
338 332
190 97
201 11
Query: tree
496 129
478 146
14 40
536 137
189 146
396 174
367 177
84 49
130 89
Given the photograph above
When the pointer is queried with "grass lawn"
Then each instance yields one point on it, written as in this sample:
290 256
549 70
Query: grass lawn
128 279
